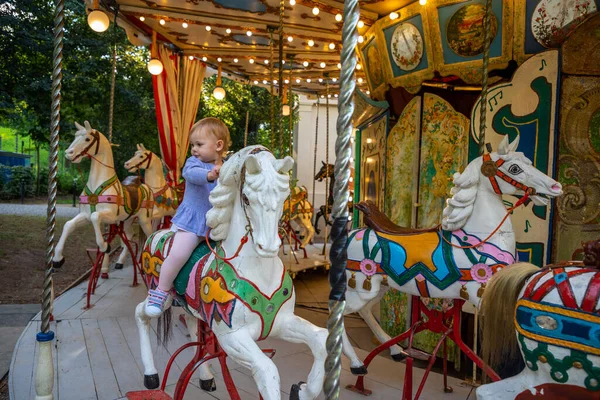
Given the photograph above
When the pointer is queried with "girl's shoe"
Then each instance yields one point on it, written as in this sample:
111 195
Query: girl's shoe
155 302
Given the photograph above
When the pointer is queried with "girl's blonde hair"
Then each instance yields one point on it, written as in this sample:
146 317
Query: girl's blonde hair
215 127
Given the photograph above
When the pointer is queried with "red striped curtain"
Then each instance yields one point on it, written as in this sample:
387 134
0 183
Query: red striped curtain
177 93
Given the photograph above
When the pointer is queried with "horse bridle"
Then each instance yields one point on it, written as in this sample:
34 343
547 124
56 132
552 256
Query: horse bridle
148 158
243 199
96 136
491 170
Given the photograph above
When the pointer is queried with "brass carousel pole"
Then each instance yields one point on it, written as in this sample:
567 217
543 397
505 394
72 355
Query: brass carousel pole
315 157
339 231
271 66
113 79
327 180
44 377
280 103
482 126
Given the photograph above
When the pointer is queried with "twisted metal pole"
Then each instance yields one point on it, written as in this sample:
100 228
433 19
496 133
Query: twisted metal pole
44 378
112 81
487 22
246 129
280 102
339 231
290 104
327 179
315 157
487 28
272 74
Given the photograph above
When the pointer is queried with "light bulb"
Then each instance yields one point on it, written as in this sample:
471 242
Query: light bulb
98 21
315 11
334 80
361 24
308 80
185 25
320 80
256 82
338 17
219 93
228 31
142 18
265 81
328 96
358 66
204 59
298 80
292 2
335 95
368 92
208 28
311 43
305 63
287 81
266 61
162 21
155 66
361 39
339 65
283 62
359 80
191 58
285 110
275 81
394 15
290 38
248 33
251 61
235 60
219 59
322 65
422 2
332 46
322 96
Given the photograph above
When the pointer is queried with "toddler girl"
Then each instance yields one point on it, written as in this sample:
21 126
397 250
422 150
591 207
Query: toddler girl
209 140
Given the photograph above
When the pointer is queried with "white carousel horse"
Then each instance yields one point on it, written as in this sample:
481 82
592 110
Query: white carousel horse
423 262
166 198
555 312
301 213
104 200
250 296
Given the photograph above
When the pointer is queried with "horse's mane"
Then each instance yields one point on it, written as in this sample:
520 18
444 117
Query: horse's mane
460 206
223 195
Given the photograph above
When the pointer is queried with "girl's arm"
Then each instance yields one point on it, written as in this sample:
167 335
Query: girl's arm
195 174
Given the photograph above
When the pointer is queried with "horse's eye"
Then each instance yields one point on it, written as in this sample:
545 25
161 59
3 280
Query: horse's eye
245 200
515 169
87 139
141 156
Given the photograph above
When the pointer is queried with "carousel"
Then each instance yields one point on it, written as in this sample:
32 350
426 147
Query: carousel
454 214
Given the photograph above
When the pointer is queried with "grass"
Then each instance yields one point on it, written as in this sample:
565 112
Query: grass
8 136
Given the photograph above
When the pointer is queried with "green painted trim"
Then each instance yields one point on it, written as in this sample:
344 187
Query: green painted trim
259 303
99 190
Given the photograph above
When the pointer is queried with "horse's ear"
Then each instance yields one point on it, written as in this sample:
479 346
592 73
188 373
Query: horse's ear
253 165
88 127
142 147
514 144
138 147
285 165
79 127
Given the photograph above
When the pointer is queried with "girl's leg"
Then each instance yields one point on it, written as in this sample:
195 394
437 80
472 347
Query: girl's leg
184 244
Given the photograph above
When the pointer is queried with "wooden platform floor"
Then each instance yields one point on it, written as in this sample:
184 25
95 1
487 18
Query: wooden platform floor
96 354
298 264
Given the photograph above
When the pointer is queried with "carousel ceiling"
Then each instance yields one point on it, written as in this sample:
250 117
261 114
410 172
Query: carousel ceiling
237 34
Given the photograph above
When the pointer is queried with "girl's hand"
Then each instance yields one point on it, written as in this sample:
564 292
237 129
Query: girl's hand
213 175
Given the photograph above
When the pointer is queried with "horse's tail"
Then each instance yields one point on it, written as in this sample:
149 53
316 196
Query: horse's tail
500 348
163 326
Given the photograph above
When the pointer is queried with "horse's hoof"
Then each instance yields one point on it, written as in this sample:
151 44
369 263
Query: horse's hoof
295 391
359 371
118 266
58 264
208 385
399 357
151 381
104 275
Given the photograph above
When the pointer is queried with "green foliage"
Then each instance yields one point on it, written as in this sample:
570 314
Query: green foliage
11 189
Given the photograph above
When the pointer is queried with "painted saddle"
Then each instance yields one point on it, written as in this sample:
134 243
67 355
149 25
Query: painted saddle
210 286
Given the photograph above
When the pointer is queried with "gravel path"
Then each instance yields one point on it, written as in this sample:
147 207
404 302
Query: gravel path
62 210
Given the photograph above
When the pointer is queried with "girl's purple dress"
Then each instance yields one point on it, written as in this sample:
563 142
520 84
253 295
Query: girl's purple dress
191 213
